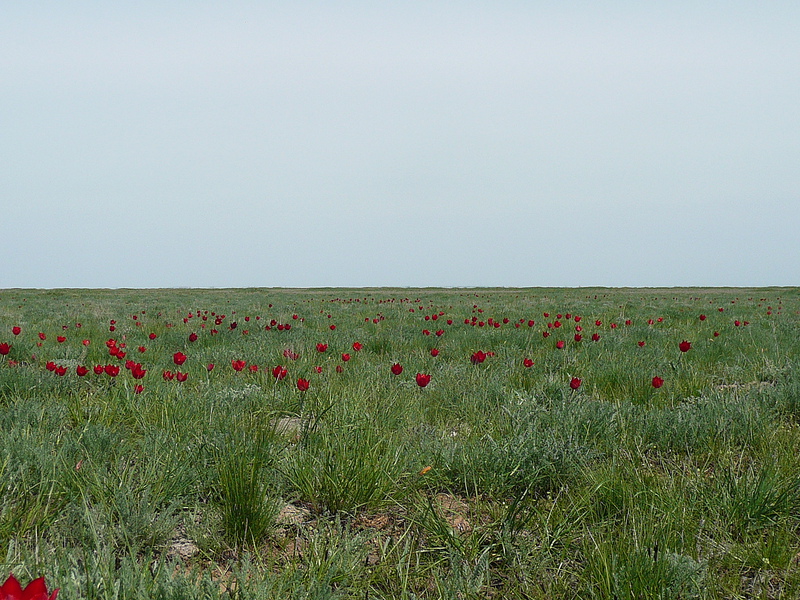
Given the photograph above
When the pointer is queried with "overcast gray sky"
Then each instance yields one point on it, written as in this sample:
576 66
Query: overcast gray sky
163 144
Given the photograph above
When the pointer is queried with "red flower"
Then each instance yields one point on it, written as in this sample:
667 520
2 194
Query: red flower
439 332
42 336
86 342
478 357
641 344
302 384
181 377
61 339
357 346
322 347
81 370
598 322
142 349
210 367
545 334
317 370
657 382
575 383
685 346
254 368
595 337
179 358
238 365
339 368
138 389
111 370
345 357
168 375
423 380
425 332
333 327
36 590
193 337
527 363
16 330
434 352
152 336
702 317
280 372
50 366
560 344
98 369
137 371
579 337
397 368
5 348
61 371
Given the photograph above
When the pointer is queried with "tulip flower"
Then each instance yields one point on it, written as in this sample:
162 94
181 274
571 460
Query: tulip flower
35 590
423 379
302 384
397 368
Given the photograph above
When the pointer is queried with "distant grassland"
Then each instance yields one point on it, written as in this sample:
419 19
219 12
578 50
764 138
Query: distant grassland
570 443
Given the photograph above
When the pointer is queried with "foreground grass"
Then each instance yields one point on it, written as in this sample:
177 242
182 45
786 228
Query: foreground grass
495 480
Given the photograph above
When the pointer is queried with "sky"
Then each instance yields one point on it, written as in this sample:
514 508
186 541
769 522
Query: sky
324 144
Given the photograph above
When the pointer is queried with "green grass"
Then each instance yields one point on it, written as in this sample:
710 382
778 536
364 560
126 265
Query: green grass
495 481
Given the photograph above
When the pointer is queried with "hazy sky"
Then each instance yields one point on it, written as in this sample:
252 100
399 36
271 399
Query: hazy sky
164 144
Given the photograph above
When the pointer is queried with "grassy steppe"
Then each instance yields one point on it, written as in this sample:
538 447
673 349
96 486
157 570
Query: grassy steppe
497 480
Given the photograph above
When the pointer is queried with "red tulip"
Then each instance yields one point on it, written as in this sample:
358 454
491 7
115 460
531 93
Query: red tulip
345 357
81 370
423 380
657 382
210 367
560 344
317 370
280 372
98 369
35 590
425 332
179 358
527 363
16 330
152 336
685 346
575 383
61 339
641 344
434 352
322 347
333 327
238 365
595 337
111 370
702 317
397 368
545 334
439 332
254 368
42 336
302 384
50 366
181 377
579 337
86 342
137 371
138 389
61 370
193 337
357 346
478 357
168 375
5 348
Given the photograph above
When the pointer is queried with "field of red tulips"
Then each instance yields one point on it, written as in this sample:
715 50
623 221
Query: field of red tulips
399 443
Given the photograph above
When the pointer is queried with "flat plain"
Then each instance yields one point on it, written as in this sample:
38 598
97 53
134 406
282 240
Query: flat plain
402 443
